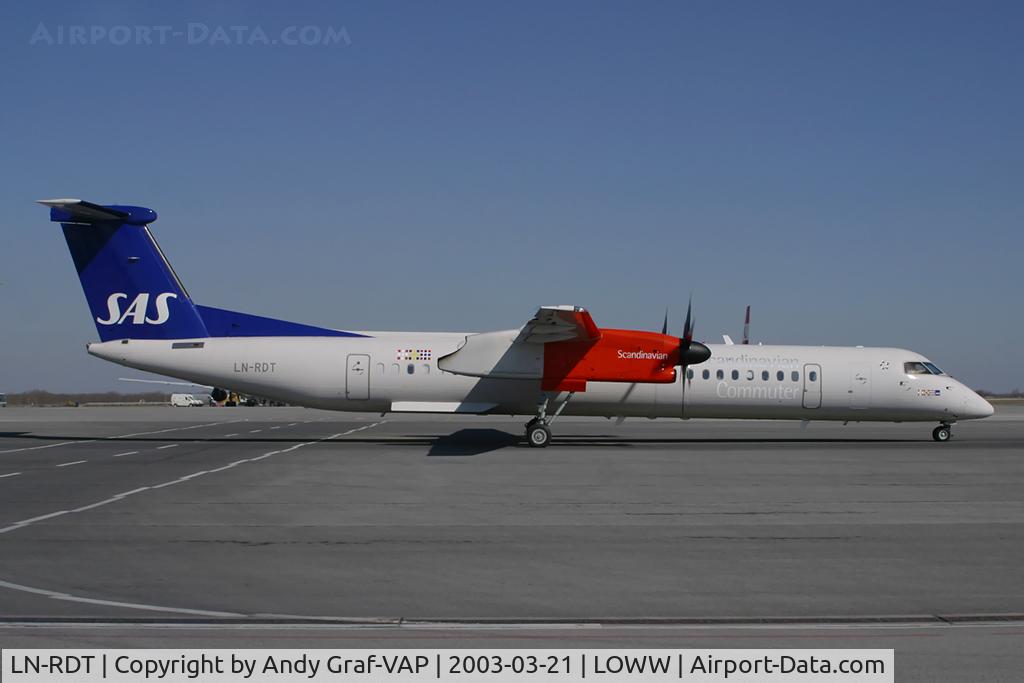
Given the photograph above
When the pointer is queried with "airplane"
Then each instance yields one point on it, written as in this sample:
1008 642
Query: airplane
559 362
746 331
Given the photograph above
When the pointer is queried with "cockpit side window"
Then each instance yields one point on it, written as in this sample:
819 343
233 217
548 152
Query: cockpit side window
916 368
934 368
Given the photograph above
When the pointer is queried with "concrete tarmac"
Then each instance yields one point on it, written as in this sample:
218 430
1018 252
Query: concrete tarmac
636 534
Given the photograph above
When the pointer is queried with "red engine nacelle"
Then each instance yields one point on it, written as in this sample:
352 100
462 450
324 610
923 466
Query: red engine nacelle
615 356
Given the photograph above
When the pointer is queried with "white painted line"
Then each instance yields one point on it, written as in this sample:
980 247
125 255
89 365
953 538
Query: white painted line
120 496
118 436
40 518
49 445
277 427
112 603
170 445
230 435
255 431
292 424
118 455
12 474
69 464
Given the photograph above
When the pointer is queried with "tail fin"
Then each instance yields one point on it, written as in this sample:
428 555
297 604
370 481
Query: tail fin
131 289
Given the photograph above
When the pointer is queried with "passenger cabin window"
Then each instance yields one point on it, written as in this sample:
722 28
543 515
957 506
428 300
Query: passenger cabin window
764 375
780 375
796 376
410 368
720 374
706 374
735 374
689 374
813 376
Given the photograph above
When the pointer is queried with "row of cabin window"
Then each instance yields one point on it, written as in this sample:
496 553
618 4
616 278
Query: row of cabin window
410 369
765 375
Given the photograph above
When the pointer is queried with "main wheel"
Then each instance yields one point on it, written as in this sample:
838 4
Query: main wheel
538 435
942 433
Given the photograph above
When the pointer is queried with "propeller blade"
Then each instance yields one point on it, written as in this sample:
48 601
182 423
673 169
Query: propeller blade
664 325
691 352
687 326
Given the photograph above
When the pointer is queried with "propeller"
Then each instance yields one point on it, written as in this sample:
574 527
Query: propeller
691 352
664 325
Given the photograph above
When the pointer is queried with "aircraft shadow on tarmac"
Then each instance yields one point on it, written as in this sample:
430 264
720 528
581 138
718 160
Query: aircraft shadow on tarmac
469 442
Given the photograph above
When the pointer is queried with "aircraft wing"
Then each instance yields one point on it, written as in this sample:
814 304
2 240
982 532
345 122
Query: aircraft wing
559 323
519 354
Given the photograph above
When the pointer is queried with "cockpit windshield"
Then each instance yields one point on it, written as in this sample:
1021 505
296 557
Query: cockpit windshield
921 368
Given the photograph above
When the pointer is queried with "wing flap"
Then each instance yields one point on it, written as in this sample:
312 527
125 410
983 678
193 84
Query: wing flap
560 323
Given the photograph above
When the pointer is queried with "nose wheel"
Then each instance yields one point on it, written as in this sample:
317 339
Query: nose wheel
942 433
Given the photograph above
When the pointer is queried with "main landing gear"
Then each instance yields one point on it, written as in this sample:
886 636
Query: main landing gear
943 433
538 430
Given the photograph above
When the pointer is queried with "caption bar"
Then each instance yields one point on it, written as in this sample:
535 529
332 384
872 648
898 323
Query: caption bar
288 666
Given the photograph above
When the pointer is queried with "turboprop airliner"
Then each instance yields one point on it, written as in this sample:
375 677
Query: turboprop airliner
559 362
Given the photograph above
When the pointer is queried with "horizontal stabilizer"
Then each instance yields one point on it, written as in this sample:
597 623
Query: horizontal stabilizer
81 211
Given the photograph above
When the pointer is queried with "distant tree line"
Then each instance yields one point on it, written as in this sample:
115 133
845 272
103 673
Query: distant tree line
38 397
1016 393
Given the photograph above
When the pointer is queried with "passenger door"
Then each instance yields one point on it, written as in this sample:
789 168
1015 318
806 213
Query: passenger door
357 377
860 387
812 385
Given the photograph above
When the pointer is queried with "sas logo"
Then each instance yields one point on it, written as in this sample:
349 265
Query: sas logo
137 309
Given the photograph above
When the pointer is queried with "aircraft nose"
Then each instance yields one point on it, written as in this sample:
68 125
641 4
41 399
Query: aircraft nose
975 407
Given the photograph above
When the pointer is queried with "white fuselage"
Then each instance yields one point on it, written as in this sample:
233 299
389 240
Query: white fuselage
398 372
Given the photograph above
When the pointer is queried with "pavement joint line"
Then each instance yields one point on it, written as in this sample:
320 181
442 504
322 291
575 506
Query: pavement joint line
69 464
117 436
11 474
259 621
118 455
170 445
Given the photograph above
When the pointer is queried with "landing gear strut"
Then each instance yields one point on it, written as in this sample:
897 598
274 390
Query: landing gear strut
538 430
942 433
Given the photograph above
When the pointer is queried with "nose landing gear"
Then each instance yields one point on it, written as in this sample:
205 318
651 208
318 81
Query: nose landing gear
943 433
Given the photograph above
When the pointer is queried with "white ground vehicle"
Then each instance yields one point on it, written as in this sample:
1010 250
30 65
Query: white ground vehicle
185 401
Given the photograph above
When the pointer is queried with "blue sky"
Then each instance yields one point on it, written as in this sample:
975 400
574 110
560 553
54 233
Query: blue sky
853 170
